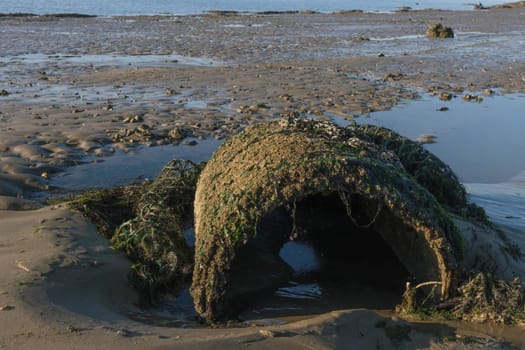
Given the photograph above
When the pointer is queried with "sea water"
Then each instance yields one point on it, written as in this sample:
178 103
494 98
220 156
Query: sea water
183 7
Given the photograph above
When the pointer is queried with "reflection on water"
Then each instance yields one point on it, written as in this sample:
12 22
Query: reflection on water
482 142
504 202
123 168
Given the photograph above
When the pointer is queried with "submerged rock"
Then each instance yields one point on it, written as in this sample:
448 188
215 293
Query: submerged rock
371 174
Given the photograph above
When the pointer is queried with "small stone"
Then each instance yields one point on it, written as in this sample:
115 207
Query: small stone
6 308
45 175
190 143
4 92
445 96
72 329
267 333
360 38
472 98
443 109
392 76
170 92
135 119
426 139
124 333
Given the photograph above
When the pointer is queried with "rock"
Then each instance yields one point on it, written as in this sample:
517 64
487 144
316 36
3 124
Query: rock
472 98
445 96
360 39
426 139
4 92
437 30
176 134
134 119
393 76
170 92
189 143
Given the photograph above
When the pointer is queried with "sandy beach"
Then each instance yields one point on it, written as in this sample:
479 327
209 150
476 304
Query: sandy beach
77 90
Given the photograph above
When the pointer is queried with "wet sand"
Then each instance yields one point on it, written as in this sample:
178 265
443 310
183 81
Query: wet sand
82 89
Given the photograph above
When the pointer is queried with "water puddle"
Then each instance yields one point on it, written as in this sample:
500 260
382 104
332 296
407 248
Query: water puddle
137 165
482 142
111 60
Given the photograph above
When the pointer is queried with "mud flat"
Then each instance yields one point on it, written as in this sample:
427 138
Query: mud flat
81 90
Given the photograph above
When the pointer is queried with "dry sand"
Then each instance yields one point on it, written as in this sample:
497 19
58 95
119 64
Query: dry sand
62 287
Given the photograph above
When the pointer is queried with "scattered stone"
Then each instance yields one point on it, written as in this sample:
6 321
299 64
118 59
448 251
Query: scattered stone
135 119
72 329
426 139
4 93
190 143
445 96
252 109
170 92
267 333
393 76
124 333
6 308
488 92
437 30
360 38
443 109
472 98
381 55
45 175
176 134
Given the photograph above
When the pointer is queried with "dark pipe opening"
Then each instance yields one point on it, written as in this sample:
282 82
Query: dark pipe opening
354 267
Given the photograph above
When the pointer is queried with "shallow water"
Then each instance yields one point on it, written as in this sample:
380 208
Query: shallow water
137 165
145 7
482 142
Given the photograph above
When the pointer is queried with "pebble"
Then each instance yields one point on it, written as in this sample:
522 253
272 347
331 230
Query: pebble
135 119
445 96
426 139
6 308
4 92
472 98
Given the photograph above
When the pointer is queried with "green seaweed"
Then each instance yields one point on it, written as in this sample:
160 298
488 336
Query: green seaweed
280 163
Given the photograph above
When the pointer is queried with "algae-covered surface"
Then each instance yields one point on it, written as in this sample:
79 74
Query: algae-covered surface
371 204
283 163
147 222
